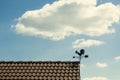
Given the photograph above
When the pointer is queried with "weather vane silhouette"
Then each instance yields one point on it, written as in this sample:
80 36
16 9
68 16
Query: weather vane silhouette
81 55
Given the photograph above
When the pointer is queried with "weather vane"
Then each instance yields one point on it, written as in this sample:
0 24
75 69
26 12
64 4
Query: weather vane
81 55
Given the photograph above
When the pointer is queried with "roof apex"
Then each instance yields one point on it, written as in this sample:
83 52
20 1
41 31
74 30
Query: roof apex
39 61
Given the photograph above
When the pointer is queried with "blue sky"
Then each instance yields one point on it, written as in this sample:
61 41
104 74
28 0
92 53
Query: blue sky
32 30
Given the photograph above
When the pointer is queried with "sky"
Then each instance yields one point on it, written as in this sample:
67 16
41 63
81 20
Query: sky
52 30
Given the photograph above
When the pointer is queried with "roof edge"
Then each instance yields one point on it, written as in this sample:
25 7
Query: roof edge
38 61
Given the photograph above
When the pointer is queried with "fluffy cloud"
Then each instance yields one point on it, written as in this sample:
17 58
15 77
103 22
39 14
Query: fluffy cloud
101 65
66 17
96 78
82 65
82 43
117 58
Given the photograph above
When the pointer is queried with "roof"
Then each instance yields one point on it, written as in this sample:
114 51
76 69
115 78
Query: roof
39 70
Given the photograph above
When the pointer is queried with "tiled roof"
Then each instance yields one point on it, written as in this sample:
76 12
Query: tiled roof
41 70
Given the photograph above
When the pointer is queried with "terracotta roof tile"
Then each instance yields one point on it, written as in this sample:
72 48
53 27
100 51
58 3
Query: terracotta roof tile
41 70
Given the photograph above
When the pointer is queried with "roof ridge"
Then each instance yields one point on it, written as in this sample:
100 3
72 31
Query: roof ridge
38 61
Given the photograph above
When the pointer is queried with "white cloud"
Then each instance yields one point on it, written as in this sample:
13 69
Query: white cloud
101 65
96 78
82 65
66 17
82 43
117 58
